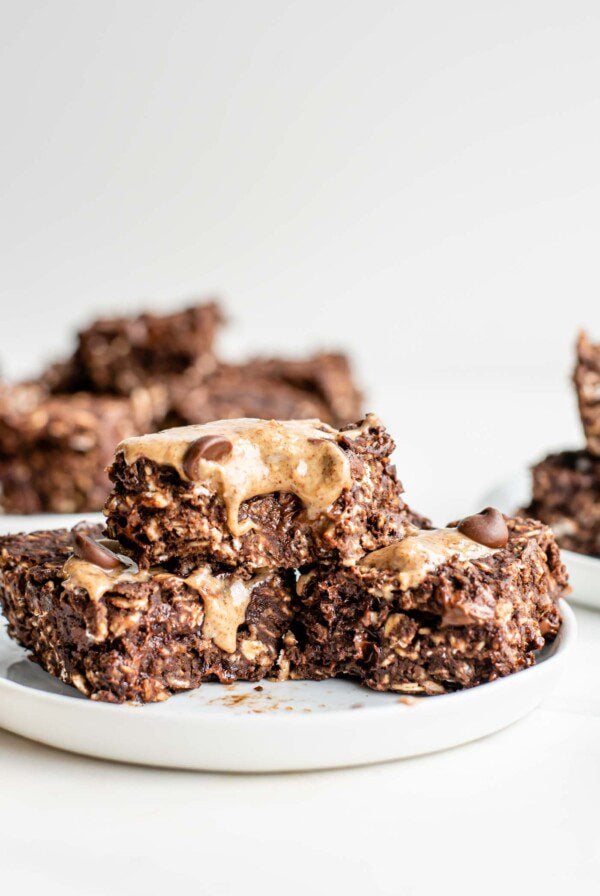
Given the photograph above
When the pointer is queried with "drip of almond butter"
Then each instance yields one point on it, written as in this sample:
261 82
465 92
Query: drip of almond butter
415 556
225 598
298 456
95 579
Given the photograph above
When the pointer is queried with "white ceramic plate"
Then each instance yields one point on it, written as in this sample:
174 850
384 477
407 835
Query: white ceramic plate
268 727
584 572
284 726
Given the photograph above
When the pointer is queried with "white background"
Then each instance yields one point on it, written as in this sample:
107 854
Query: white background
418 182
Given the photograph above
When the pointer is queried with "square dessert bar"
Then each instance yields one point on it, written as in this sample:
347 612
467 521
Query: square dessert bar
319 387
587 383
54 450
117 355
432 613
118 633
566 496
327 375
256 493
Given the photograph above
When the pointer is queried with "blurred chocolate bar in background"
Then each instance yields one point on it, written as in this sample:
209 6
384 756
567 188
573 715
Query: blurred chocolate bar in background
139 374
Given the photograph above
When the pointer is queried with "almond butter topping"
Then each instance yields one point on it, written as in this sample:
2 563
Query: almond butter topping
225 598
97 580
425 550
298 456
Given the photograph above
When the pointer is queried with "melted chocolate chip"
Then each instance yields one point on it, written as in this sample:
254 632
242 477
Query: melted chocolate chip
488 528
456 616
114 546
204 448
88 549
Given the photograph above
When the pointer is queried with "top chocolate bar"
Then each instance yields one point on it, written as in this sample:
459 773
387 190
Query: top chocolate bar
116 355
587 382
256 493
273 388
174 352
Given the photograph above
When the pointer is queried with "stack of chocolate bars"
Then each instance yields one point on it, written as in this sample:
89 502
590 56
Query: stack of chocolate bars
566 486
129 376
242 549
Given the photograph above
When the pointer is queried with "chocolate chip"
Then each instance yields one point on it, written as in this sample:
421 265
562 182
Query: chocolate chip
204 448
488 528
88 549
114 546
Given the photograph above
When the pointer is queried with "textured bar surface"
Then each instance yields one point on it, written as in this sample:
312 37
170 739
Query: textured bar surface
467 622
143 637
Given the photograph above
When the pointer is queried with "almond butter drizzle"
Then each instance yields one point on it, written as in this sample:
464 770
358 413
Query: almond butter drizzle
298 456
96 580
225 598
415 556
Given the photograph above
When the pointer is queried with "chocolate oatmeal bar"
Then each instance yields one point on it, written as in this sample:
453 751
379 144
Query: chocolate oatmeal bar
432 613
256 493
54 450
119 633
566 496
587 383
117 355
319 387
327 375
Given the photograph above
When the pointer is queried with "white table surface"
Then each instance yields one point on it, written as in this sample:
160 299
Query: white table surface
516 810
